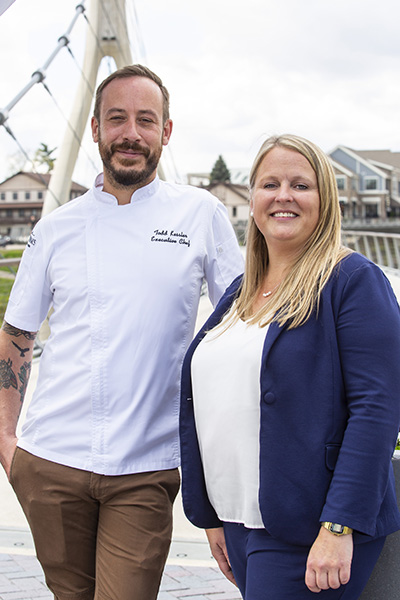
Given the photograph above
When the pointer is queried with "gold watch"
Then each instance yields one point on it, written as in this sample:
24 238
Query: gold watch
336 529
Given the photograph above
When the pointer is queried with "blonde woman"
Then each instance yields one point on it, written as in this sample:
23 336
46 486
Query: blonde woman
291 396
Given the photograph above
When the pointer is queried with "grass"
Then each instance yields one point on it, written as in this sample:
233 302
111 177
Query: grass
10 254
5 289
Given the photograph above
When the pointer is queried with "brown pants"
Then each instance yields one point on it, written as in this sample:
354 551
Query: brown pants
97 537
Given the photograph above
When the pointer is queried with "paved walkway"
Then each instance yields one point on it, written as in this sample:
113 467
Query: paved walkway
191 573
21 578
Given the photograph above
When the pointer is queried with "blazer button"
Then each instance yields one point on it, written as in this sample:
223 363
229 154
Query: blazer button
269 398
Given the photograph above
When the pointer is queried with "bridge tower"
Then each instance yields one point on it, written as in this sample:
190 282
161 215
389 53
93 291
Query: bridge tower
107 35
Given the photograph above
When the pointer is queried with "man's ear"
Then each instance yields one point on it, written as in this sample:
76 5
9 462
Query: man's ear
167 130
95 129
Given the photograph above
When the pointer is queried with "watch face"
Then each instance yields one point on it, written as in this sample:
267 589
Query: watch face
336 528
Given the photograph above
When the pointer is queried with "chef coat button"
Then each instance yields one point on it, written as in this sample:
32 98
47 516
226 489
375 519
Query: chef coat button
269 398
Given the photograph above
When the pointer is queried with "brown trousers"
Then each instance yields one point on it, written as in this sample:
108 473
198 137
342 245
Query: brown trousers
97 537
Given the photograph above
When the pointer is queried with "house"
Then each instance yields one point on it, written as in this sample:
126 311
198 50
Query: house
234 194
368 182
21 202
235 198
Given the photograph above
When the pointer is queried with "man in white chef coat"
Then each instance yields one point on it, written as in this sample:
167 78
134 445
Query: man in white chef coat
96 466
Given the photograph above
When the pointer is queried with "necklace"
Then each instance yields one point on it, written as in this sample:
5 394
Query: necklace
266 294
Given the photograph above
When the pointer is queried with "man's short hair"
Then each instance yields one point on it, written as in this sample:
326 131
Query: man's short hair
132 71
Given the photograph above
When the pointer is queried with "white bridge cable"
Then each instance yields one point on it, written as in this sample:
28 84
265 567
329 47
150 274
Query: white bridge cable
93 32
40 74
130 20
75 134
138 32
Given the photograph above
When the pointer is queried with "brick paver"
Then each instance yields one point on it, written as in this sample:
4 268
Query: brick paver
21 578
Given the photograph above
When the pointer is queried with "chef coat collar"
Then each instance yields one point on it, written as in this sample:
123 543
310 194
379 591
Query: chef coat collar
141 194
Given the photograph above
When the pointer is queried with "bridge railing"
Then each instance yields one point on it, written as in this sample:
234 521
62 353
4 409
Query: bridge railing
382 248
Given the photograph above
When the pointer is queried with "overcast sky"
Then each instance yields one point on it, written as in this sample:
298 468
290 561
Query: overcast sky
236 72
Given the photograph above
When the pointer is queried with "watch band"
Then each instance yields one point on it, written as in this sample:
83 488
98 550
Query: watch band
336 529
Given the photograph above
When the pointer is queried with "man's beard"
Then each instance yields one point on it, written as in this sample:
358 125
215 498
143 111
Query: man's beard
130 176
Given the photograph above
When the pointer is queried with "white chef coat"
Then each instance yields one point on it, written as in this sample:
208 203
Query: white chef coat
124 282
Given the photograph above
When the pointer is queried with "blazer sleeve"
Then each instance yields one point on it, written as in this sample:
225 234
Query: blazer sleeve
368 338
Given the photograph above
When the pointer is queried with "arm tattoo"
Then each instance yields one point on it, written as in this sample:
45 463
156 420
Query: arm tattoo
23 377
7 375
15 332
22 351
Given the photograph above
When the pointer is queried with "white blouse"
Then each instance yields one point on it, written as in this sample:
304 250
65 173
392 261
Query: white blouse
226 395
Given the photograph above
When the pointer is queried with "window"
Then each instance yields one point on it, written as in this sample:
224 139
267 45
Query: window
21 212
3 196
15 196
341 182
40 195
371 211
234 211
9 212
27 195
371 183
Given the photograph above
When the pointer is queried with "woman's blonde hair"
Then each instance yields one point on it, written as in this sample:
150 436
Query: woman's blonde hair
298 295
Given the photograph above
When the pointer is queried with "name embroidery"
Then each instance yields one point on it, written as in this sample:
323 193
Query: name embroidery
32 240
171 237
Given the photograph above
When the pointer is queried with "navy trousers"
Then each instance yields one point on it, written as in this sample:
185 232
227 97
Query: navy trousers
267 569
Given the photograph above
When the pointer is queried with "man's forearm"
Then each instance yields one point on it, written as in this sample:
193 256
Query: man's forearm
16 347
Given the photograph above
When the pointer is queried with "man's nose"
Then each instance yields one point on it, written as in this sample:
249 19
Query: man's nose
131 131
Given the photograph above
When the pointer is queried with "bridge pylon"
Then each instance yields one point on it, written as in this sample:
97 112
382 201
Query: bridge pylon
106 35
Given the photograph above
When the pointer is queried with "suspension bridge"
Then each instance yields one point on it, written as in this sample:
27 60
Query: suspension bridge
113 39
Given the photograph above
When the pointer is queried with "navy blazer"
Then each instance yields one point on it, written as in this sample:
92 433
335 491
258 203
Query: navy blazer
330 413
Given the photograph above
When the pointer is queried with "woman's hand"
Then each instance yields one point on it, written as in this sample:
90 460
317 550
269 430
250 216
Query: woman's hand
329 561
216 539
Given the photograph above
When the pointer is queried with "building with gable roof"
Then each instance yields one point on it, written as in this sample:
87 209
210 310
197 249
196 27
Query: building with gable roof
368 182
21 202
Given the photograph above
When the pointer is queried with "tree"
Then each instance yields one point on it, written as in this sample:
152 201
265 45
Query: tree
220 172
43 158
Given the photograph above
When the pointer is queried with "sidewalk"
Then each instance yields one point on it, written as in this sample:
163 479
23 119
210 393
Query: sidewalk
191 572
21 578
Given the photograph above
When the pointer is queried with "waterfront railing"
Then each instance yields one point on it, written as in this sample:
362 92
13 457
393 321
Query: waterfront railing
382 248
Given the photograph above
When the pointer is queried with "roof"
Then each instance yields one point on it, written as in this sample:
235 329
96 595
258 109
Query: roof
44 178
358 157
386 157
239 189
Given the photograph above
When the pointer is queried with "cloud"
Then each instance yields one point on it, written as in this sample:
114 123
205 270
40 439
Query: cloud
236 72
